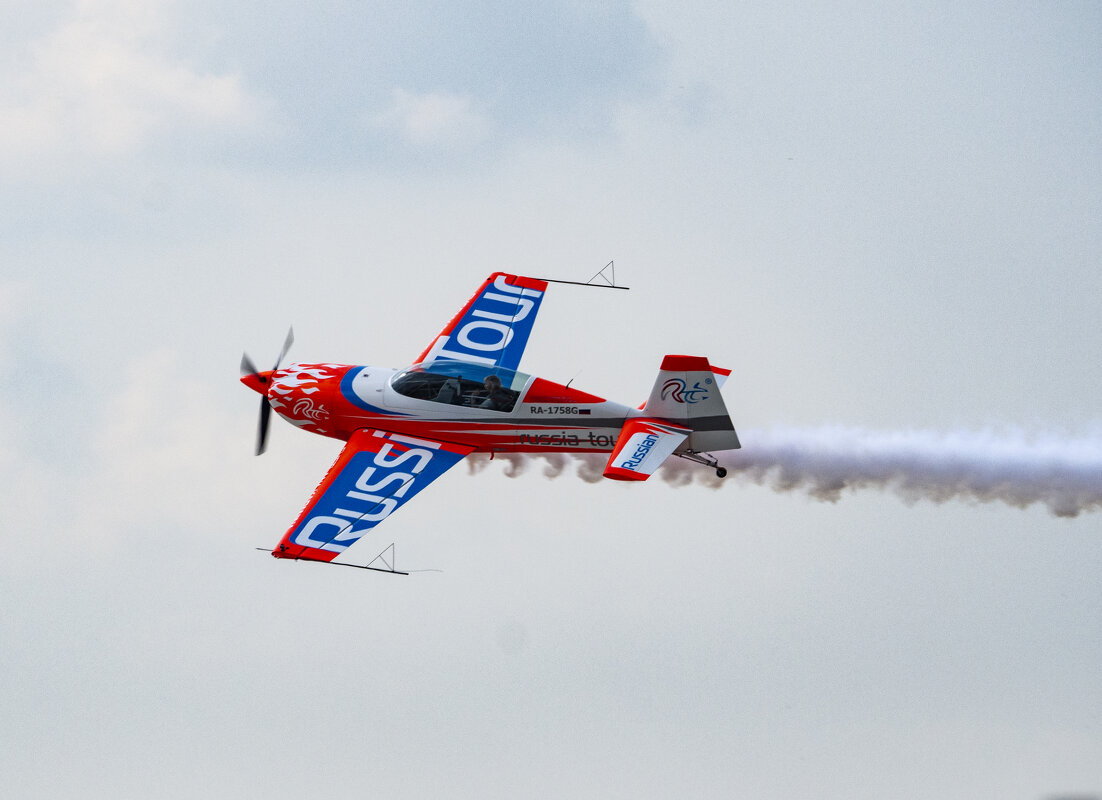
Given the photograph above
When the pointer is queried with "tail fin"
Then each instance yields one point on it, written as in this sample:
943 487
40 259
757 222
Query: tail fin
686 393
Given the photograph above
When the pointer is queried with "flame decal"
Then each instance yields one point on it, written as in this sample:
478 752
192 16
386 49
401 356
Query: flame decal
289 394
301 378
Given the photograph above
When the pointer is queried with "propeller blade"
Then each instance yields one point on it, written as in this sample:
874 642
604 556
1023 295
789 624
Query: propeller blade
262 428
286 346
247 365
259 382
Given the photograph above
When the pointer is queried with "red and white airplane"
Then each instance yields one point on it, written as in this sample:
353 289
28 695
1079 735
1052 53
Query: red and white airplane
404 428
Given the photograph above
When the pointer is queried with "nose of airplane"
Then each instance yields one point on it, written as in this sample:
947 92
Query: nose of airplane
258 381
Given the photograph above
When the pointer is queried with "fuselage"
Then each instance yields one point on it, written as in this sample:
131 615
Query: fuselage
487 408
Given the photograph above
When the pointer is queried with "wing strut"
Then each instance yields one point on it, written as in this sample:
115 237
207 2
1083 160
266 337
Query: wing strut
609 282
387 562
368 566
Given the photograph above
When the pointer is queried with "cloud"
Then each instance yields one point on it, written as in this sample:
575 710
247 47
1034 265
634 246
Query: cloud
157 451
100 85
449 121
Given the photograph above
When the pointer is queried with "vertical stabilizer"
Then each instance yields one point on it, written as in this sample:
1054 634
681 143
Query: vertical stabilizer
686 393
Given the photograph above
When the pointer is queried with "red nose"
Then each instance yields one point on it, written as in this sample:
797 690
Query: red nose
259 381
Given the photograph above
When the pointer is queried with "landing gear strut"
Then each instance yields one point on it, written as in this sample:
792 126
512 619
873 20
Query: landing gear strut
706 459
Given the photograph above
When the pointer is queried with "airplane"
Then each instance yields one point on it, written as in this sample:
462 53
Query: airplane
404 428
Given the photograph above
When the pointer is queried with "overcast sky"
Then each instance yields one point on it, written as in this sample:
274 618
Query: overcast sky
886 218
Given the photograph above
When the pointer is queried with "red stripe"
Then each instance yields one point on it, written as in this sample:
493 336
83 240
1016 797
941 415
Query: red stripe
543 391
686 364
525 283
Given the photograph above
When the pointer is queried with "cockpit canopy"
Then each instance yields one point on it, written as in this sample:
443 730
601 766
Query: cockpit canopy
461 383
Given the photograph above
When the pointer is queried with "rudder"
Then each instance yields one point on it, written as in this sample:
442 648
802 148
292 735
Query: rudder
686 392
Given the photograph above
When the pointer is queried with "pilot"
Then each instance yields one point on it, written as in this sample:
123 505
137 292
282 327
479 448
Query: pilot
495 397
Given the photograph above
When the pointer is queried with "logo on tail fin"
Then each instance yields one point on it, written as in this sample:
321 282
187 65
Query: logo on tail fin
677 389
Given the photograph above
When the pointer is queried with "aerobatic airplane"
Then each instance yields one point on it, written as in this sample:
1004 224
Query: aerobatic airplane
405 428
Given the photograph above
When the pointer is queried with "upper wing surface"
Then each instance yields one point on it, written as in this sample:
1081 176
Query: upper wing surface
374 474
494 326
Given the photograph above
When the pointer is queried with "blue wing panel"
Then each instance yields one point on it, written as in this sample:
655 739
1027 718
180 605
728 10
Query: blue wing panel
373 476
493 328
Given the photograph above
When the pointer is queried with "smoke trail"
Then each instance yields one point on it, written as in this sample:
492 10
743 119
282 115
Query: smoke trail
1011 467
590 467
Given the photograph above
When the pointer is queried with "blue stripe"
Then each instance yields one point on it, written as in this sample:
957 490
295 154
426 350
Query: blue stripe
356 400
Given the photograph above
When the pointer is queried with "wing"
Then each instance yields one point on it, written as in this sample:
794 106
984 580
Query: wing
493 327
374 474
641 448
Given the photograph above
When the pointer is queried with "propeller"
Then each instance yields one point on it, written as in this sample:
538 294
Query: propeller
260 381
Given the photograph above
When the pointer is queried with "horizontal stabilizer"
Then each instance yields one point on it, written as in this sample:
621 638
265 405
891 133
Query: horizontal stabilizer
643 446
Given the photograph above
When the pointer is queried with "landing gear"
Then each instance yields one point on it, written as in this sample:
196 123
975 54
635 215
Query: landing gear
706 459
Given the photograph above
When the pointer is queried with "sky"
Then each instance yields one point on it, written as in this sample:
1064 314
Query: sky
880 218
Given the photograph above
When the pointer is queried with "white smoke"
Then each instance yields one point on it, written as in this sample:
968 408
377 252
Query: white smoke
1011 467
590 466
